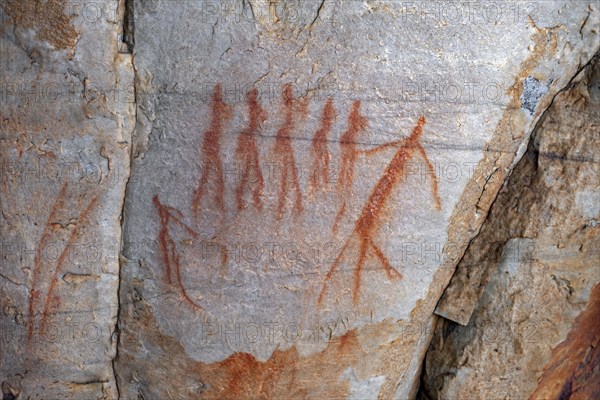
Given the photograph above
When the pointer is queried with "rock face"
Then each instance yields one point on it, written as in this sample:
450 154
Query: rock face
302 188
535 266
66 116
573 370
305 178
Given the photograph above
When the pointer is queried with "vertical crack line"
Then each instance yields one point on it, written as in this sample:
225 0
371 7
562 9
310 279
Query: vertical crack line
128 26
125 46
116 333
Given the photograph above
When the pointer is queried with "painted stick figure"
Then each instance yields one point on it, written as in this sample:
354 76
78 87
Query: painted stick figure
284 152
168 247
357 123
321 156
221 112
368 221
247 152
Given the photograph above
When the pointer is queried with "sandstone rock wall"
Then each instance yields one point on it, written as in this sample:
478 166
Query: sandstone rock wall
66 116
532 269
270 199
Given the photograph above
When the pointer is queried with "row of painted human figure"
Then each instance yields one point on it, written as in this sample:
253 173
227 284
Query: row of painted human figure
367 223
248 157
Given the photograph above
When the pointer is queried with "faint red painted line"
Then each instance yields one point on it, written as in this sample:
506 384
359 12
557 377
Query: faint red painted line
168 248
37 262
81 221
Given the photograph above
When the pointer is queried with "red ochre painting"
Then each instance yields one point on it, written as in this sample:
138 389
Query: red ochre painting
284 154
319 175
45 273
359 246
212 164
247 153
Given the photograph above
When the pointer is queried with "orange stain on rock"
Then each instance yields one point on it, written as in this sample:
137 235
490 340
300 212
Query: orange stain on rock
247 152
573 372
321 156
284 153
357 123
168 247
285 375
211 156
368 221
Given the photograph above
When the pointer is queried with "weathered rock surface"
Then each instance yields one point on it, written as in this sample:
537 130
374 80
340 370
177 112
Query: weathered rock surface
66 118
307 176
533 268
573 370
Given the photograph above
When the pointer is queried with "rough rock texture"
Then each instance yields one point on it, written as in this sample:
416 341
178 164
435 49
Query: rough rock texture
303 186
574 368
305 178
65 134
534 267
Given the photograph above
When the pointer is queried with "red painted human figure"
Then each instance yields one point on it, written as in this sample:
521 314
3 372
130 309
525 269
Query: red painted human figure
368 222
168 248
284 153
357 123
321 157
211 156
247 152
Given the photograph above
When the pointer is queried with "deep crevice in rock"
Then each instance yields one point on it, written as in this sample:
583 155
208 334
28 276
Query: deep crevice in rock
523 208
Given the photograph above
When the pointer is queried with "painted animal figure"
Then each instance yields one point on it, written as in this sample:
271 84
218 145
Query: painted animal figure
368 221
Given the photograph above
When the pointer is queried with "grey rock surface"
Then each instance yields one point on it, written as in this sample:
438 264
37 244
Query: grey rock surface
539 257
306 280
269 199
65 124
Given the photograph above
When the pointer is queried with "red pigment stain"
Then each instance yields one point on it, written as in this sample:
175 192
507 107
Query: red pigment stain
368 222
37 262
285 154
168 247
573 371
81 221
357 123
224 258
247 152
221 112
321 156
242 376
